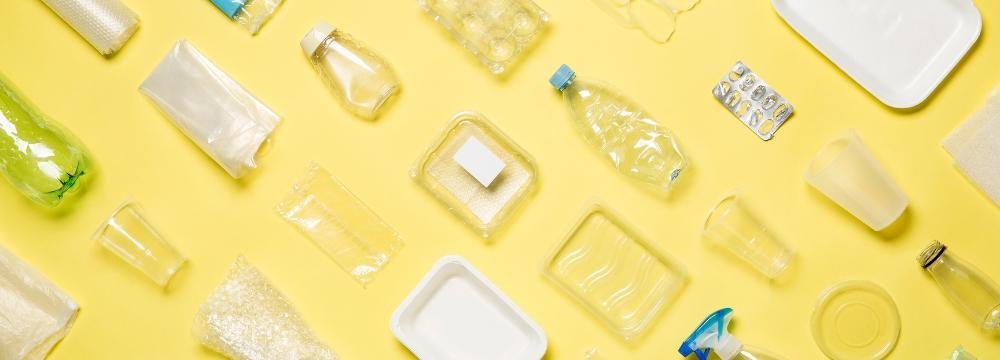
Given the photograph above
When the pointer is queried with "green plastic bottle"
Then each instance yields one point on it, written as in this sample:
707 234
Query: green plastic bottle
37 156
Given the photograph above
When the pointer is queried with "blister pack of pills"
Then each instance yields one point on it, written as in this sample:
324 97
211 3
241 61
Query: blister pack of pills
752 100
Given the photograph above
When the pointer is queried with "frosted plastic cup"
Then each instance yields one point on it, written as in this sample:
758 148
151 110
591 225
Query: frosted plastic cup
731 226
127 234
846 172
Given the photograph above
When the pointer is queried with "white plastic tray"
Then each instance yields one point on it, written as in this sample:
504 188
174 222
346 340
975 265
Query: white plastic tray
899 50
456 313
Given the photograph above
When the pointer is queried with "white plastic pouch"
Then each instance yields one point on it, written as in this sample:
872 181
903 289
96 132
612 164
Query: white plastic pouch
214 111
34 314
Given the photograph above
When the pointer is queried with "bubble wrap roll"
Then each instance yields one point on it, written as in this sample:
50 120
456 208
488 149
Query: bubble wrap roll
34 314
106 24
975 146
245 318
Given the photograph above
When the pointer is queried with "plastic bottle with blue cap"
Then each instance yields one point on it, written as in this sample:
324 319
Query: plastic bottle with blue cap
712 337
252 14
635 143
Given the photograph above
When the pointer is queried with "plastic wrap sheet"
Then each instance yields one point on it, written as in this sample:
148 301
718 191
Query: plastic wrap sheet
34 314
340 224
218 114
105 24
246 318
252 14
975 146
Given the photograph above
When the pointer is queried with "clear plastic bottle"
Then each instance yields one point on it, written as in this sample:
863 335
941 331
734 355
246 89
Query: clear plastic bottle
362 79
965 285
37 156
636 144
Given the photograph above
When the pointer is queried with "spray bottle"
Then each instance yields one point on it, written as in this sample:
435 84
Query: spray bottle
712 336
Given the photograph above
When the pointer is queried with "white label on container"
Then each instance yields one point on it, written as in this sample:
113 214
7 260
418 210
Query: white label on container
479 161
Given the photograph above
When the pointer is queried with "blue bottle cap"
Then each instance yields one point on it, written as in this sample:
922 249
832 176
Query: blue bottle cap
562 77
229 7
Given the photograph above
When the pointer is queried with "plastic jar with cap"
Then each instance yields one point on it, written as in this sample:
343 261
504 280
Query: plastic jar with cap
361 78
967 287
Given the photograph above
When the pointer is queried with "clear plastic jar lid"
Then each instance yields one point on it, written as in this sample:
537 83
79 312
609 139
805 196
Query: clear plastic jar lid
855 320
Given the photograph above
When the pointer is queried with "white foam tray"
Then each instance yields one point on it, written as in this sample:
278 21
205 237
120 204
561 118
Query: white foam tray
899 50
456 313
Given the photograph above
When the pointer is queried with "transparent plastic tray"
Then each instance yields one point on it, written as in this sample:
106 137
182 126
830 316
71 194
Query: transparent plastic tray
340 224
495 31
614 272
484 208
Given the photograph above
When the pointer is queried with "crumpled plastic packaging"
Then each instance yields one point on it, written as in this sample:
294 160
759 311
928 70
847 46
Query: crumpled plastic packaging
105 24
975 146
34 314
340 224
960 354
215 112
245 318
252 14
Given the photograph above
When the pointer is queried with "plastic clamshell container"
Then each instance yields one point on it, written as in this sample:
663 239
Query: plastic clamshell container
614 272
495 31
484 208
456 313
898 50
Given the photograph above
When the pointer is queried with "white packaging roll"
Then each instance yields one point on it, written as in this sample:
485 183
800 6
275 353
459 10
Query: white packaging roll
106 24
34 314
218 114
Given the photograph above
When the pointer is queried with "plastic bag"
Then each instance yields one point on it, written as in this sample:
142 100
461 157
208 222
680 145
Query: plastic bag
34 314
246 318
340 224
218 114
252 14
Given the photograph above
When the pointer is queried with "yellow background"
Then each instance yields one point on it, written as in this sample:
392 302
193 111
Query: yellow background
212 218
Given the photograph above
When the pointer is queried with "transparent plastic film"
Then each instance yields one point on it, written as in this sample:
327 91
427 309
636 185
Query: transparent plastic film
361 78
340 224
483 190
975 147
631 139
615 273
495 31
127 234
214 111
246 318
252 14
105 24
34 314
42 160
657 19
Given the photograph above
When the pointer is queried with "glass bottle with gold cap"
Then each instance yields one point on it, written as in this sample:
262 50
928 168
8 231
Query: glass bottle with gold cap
966 286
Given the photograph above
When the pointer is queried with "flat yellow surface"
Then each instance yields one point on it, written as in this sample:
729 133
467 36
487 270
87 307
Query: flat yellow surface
212 218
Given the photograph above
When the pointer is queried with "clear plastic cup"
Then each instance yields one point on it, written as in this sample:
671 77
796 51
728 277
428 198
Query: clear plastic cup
846 171
127 234
731 226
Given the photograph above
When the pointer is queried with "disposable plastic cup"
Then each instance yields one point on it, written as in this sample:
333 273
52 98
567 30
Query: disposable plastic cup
846 172
127 234
733 227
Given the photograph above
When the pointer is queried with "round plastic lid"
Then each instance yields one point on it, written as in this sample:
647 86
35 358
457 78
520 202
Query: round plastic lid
855 320
315 37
